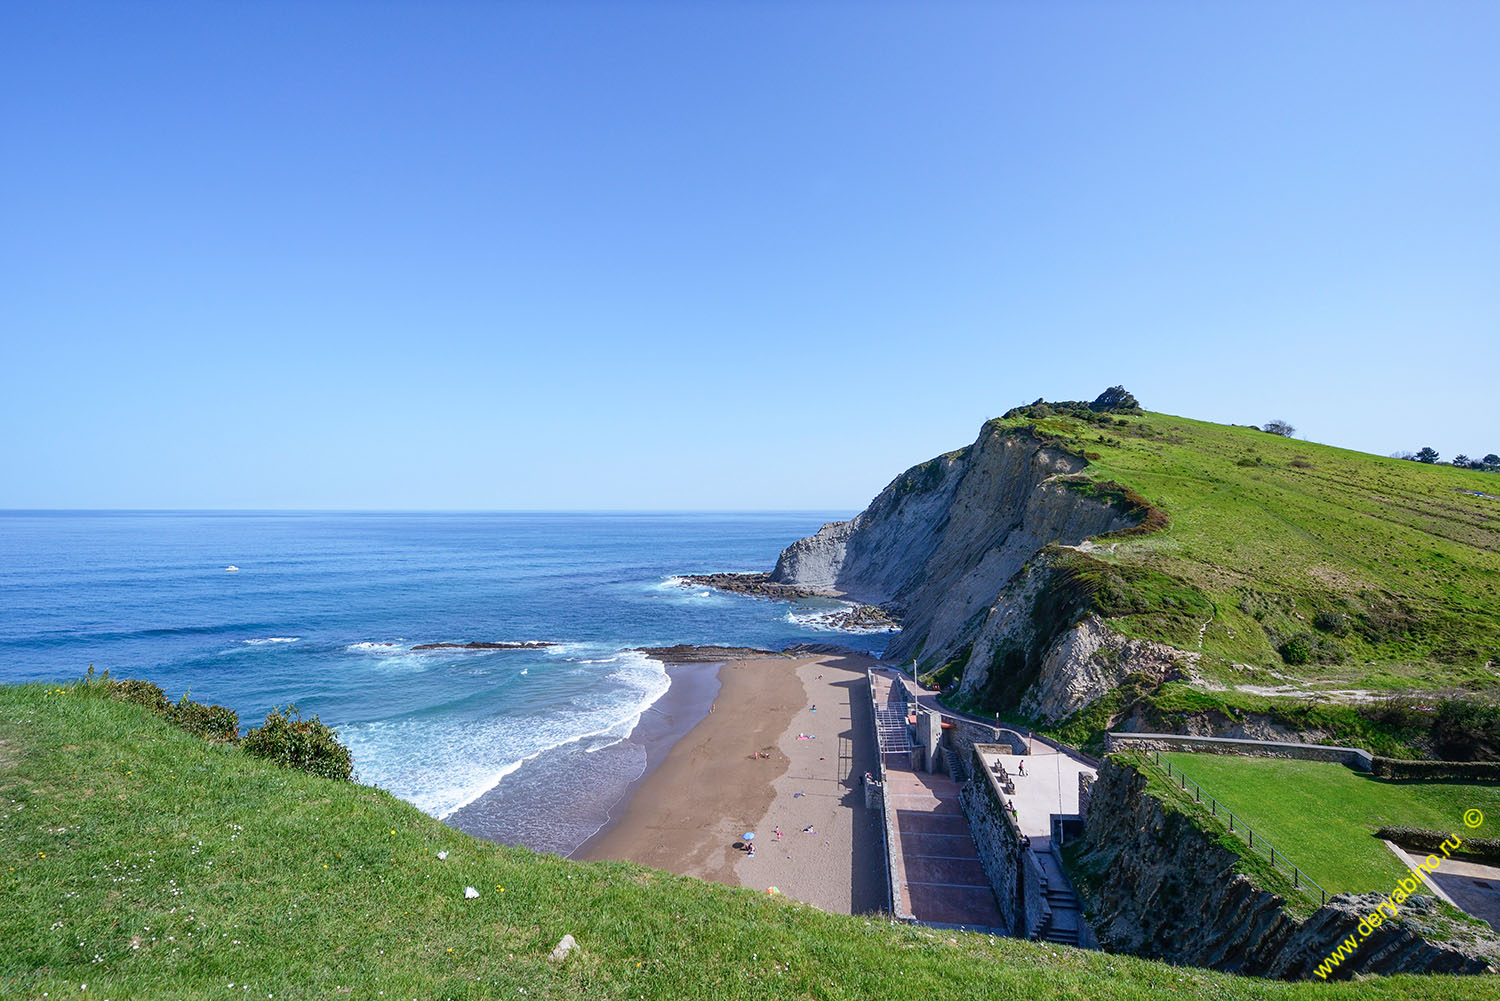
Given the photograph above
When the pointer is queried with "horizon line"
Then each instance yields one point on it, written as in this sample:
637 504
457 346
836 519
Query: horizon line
432 510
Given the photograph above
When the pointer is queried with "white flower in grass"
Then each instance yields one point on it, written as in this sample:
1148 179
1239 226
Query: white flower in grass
442 855
470 893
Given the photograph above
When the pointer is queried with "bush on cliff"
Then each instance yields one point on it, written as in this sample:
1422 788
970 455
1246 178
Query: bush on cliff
305 744
211 722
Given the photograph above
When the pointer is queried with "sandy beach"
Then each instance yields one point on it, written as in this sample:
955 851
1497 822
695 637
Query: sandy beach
785 746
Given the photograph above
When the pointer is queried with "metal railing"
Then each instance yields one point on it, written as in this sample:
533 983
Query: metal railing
1237 825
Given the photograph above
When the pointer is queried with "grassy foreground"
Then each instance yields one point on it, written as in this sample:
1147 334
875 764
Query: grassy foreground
143 862
1324 815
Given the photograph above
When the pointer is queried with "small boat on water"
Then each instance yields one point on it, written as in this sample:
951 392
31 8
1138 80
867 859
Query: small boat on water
231 569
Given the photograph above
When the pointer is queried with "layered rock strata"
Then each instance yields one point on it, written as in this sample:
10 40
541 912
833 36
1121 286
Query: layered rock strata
957 550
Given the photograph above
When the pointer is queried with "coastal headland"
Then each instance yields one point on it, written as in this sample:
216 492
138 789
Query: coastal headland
783 746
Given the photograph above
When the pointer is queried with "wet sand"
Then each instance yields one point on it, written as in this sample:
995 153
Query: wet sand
557 801
742 768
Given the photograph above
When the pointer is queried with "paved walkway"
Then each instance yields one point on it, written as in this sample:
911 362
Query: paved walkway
1050 785
938 876
1473 887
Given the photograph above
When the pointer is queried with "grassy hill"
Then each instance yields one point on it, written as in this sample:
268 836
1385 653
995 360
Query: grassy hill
1326 815
144 862
1295 568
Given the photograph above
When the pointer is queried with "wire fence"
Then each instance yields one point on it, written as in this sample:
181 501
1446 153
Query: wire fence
1237 825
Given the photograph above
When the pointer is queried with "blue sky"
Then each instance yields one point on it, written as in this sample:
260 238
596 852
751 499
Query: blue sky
727 255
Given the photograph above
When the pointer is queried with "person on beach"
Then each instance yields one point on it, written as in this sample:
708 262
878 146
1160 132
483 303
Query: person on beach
778 834
1022 768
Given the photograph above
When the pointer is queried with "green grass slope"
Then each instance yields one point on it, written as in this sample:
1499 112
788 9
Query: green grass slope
145 863
1325 566
1324 815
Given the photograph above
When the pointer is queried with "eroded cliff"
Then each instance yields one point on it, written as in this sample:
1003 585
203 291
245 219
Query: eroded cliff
958 548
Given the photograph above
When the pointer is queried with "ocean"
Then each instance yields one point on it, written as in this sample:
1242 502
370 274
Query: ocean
324 608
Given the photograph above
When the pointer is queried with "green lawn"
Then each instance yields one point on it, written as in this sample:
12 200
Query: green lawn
1323 815
144 863
1402 558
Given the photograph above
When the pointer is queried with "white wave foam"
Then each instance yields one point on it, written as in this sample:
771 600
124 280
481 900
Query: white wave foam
271 639
825 621
373 647
443 768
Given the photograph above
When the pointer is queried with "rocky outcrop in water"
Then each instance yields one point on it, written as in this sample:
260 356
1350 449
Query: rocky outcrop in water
525 645
1156 885
687 653
758 585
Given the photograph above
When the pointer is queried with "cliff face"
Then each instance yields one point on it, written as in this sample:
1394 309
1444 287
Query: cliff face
1156 885
954 546
941 541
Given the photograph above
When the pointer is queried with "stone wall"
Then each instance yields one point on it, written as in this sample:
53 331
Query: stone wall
966 733
1351 756
998 841
1085 792
887 812
1034 909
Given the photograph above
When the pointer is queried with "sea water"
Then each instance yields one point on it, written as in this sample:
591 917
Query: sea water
324 608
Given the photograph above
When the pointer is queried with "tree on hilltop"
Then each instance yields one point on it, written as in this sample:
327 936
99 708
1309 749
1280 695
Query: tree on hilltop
1428 454
1279 427
1461 461
1490 463
1115 398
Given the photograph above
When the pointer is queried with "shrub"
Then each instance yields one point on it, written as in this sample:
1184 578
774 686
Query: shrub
307 744
1332 622
141 693
1467 731
1115 398
1297 648
1432 841
208 722
1462 771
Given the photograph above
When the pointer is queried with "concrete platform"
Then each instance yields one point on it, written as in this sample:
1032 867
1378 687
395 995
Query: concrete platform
1473 887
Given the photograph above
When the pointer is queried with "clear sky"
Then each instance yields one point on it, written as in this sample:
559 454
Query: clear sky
720 255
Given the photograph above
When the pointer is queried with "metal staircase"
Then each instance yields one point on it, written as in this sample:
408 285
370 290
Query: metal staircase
892 729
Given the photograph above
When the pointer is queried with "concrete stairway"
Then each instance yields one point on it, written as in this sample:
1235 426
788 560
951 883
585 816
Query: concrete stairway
1064 925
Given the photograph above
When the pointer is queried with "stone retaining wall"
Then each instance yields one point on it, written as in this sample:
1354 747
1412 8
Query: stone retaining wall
1351 756
998 841
887 811
1034 908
